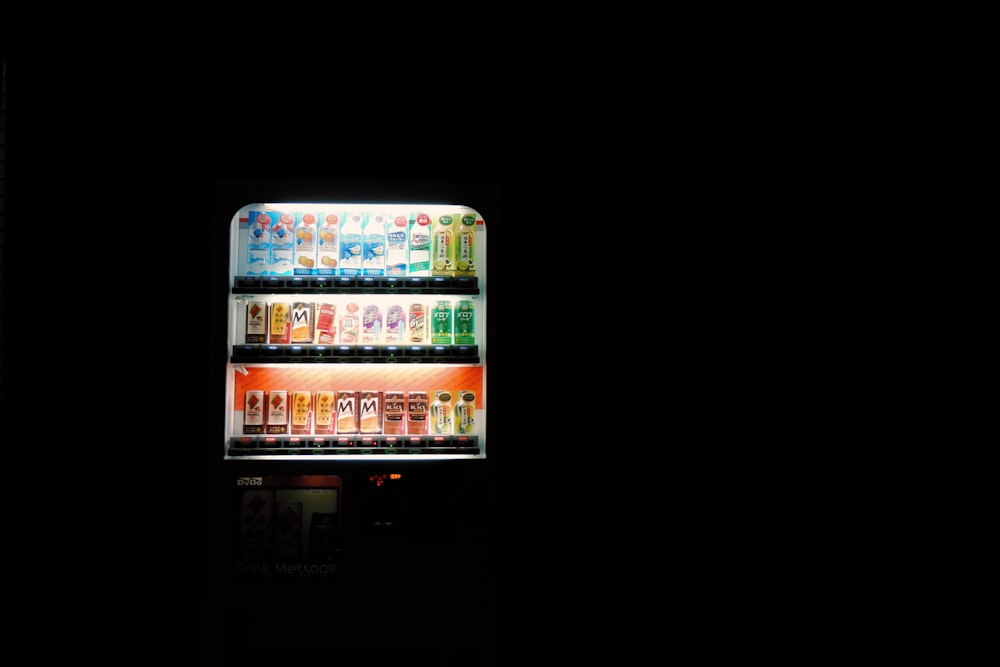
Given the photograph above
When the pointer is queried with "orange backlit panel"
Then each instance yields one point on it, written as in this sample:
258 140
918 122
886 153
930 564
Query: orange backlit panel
379 377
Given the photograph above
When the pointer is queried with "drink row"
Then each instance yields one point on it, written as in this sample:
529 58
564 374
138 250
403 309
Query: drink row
360 243
280 412
307 322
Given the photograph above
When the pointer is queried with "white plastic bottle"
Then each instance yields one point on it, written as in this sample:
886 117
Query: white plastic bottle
373 252
351 244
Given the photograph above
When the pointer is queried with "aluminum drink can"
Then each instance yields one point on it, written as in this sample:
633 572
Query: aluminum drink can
465 314
303 321
370 411
394 324
347 411
281 324
277 412
302 412
465 412
326 407
441 413
441 323
416 413
395 408
257 324
326 327
416 323
253 412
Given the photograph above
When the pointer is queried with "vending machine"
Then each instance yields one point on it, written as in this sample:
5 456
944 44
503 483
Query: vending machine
357 332
351 503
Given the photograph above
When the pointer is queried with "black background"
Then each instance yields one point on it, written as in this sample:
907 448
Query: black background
107 163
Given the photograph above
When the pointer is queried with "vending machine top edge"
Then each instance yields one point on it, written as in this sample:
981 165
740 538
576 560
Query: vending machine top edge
356 331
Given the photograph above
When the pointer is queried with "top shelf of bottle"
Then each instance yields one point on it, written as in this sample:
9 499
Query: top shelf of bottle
356 285
309 248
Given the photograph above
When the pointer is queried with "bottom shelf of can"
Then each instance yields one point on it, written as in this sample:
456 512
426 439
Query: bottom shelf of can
354 445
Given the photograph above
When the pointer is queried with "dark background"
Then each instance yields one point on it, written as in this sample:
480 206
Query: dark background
104 166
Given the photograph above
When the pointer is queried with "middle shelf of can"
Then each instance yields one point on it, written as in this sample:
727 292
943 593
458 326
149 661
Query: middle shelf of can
458 285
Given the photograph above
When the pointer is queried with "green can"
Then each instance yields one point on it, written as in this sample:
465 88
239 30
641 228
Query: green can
465 317
441 323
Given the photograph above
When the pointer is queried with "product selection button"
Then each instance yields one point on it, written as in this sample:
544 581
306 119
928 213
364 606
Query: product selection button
440 282
343 282
246 282
416 281
466 283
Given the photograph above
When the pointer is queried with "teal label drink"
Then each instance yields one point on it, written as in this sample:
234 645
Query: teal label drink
420 245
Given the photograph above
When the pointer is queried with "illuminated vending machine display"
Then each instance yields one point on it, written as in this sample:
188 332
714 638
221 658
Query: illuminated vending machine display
356 332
